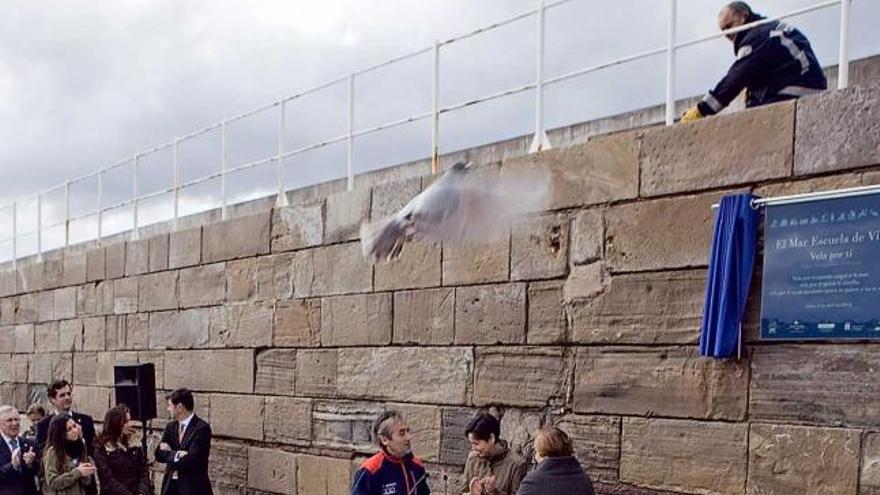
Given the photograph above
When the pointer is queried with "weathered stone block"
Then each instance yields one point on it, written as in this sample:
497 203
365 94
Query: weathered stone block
297 227
345 424
158 253
46 305
30 277
425 425
237 416
276 372
837 130
74 272
518 428
242 325
360 319
203 285
424 374
272 470
95 264
85 368
869 479
104 376
585 282
114 257
597 443
418 266
229 464
643 308
331 270
390 197
70 335
157 291
795 459
180 330
453 448
20 365
8 282
220 370
288 420
344 214
259 279
26 310
316 372
476 264
670 381
587 236
827 384
93 401
322 475
7 339
684 455
15 394
297 323
8 310
664 233
94 333
524 376
46 367
236 238
424 317
115 337
65 303
137 257
490 314
184 248
546 322
137 330
703 155
53 271
24 338
539 248
125 295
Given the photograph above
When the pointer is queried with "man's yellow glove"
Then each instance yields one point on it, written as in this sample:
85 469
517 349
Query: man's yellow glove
691 115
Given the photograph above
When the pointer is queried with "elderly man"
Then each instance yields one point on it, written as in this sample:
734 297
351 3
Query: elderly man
393 470
774 62
18 464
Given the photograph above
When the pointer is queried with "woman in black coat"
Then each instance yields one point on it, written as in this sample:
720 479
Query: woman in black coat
120 458
558 472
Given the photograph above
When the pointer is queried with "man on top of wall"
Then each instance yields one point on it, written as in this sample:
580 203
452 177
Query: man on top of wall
774 62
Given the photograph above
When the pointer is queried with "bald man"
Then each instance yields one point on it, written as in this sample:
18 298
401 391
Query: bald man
774 62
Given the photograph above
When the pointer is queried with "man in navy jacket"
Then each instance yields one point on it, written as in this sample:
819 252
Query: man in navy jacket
18 456
393 470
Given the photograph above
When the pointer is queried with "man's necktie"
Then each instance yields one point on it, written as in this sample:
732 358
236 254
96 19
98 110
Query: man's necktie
180 434
13 444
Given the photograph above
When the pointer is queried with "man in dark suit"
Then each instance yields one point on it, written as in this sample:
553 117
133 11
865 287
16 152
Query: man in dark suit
60 394
185 448
18 456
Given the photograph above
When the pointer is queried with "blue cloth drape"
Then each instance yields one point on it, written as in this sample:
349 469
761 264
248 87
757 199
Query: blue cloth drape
731 261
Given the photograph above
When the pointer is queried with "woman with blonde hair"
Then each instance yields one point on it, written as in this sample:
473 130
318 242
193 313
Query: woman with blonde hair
558 471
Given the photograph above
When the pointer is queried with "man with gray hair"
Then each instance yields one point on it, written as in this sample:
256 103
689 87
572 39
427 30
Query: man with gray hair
774 62
18 465
393 470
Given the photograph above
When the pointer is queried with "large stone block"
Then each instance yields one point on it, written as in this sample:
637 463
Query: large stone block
493 314
433 375
838 130
203 285
391 197
668 381
184 248
276 372
322 475
158 253
424 317
360 319
690 456
53 271
476 263
744 147
242 325
94 333
96 264
643 308
186 329
297 227
795 459
24 338
229 463
115 333
288 420
521 376
346 425
7 339
539 248
297 323
27 308
46 305
601 170
93 401
46 336
826 384
237 416
596 442
260 279
316 372
425 424
114 259
85 368
453 447
418 266
236 238
30 277
20 364
219 370
546 321
157 291
74 271
137 257
869 479
8 310
15 394
8 282
344 214
587 236
664 233
331 270
272 470
46 367
125 295
70 335
137 330
64 303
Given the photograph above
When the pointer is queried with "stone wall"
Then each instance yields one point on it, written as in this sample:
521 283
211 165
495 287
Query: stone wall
588 315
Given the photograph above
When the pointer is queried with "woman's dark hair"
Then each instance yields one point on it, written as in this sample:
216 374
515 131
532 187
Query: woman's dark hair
114 420
483 426
57 437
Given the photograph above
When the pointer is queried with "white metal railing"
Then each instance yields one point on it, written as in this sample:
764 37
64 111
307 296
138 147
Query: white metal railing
539 142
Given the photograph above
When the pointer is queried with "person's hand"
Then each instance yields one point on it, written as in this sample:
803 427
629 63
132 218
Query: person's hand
29 456
164 446
86 469
489 485
181 453
691 115
16 461
475 487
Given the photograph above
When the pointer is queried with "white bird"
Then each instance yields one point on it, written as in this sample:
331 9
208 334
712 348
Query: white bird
461 206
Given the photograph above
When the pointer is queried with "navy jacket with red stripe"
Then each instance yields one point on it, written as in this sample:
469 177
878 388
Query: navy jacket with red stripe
384 474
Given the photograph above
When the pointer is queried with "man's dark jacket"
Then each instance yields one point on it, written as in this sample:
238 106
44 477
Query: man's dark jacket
191 469
774 62
88 429
17 481
557 476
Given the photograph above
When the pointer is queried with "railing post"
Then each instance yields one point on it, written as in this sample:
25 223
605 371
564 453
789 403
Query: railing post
223 170
435 113
40 226
670 63
843 55
281 200
134 197
176 173
66 213
540 141
15 233
350 174
100 204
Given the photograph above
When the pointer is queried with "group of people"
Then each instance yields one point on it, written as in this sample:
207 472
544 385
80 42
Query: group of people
63 455
491 468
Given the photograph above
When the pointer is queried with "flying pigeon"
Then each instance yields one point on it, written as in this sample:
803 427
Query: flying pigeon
461 206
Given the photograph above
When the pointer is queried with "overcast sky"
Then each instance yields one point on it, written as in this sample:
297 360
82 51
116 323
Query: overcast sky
84 84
